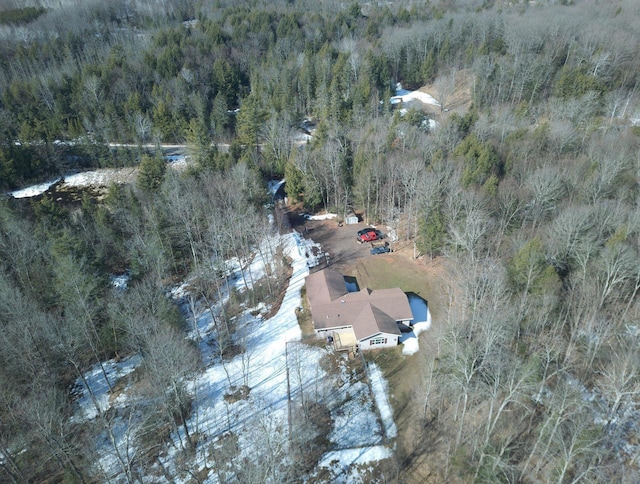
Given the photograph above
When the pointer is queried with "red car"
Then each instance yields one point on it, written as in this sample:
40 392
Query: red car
367 236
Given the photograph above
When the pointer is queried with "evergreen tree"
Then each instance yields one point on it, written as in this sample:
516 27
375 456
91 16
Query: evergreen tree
151 173
432 232
198 144
250 121
295 181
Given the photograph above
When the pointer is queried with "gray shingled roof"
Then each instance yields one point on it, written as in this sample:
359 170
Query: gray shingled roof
368 311
325 286
372 320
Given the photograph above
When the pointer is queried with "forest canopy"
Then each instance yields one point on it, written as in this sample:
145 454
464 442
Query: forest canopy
524 178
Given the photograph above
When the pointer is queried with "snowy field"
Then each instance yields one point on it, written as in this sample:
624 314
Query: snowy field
272 351
101 177
362 419
275 365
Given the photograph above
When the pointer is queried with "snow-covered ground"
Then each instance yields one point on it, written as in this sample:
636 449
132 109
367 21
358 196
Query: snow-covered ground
404 96
346 464
101 177
120 281
323 216
34 190
273 354
311 251
410 342
274 185
93 393
379 388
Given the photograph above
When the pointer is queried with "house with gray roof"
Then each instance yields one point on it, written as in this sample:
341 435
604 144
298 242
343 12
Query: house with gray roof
366 319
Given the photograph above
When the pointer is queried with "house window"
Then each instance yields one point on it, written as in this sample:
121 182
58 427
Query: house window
378 341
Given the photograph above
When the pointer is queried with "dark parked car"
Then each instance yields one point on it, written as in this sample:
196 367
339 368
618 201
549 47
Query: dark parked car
383 249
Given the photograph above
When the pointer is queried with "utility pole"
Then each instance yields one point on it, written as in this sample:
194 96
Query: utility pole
286 359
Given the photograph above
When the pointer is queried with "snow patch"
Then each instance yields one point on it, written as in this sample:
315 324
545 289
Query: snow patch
102 177
379 389
121 281
93 392
274 185
392 234
302 137
324 216
404 96
176 160
410 342
343 460
311 251
34 190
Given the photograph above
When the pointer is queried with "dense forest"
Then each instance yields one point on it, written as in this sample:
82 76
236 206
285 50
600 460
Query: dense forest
525 179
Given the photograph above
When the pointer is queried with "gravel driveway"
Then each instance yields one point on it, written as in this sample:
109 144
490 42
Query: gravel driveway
340 242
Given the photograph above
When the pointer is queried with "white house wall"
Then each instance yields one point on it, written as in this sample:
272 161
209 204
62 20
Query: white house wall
382 340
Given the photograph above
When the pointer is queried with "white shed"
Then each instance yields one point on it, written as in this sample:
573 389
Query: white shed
351 218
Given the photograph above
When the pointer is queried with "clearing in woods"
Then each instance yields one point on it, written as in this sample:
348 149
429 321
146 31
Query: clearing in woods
406 374
429 279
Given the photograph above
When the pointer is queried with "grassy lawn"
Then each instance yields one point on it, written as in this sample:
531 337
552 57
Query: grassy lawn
384 271
405 374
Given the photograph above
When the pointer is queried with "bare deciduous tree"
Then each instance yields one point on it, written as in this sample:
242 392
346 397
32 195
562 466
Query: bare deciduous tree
169 361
